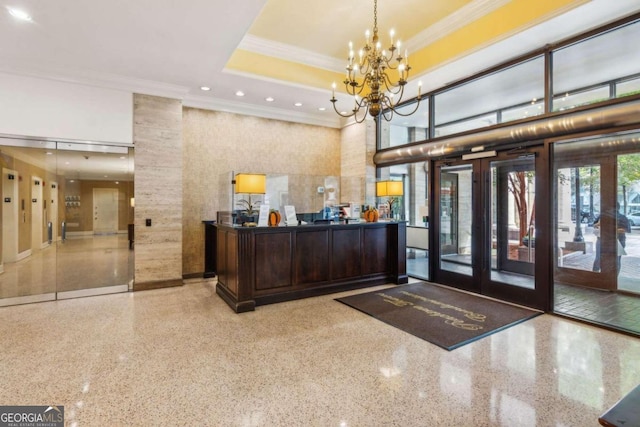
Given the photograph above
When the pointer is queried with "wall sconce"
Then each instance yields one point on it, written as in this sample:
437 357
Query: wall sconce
391 189
249 184
132 202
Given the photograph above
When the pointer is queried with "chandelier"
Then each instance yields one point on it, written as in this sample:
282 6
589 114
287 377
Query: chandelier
382 96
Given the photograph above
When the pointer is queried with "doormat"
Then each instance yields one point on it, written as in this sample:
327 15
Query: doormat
445 317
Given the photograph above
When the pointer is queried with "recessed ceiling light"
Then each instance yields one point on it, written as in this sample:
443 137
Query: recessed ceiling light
20 14
239 93
321 108
123 157
269 99
205 88
298 104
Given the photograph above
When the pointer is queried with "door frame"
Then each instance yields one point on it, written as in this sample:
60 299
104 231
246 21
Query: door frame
504 262
606 279
480 281
99 196
461 281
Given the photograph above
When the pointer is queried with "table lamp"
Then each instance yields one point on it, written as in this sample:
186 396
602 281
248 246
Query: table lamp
248 183
390 189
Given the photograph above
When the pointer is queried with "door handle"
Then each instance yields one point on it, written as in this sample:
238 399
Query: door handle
64 231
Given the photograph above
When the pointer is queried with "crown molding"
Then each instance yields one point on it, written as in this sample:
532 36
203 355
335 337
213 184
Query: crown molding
458 19
97 79
290 53
216 104
442 28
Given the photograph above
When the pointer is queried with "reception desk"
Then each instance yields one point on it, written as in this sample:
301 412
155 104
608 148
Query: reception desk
264 265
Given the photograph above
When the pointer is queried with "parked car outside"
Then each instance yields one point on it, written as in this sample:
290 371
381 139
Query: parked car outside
634 218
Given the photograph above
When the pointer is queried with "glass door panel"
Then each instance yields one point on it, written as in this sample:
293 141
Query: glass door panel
512 213
582 230
628 222
455 219
96 194
599 176
488 226
28 256
66 210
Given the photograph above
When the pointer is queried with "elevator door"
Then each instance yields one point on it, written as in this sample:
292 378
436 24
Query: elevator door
485 211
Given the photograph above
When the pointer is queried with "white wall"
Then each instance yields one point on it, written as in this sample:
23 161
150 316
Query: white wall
51 109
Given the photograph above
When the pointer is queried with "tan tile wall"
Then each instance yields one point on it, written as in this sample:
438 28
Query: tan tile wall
358 171
157 135
216 143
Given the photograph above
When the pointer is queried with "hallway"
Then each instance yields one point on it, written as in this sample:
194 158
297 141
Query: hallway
180 356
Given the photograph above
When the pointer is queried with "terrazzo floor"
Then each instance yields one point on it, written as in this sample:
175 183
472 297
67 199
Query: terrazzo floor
181 356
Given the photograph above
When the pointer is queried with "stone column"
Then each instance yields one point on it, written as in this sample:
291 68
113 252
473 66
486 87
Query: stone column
157 136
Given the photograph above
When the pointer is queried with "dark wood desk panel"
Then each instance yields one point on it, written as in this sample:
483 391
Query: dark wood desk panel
221 250
376 258
210 249
273 260
346 253
263 265
311 255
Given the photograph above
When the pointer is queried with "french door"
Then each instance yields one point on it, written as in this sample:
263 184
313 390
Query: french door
489 231
53 245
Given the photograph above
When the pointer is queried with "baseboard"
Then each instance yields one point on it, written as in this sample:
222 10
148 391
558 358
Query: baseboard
93 292
79 233
192 276
5 302
23 255
156 284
